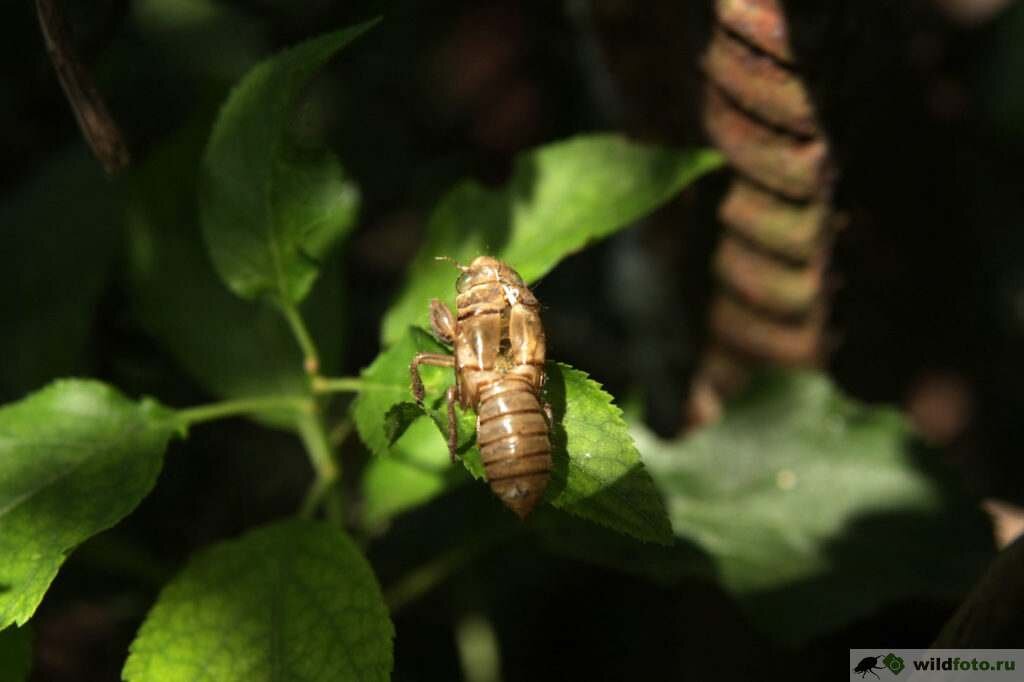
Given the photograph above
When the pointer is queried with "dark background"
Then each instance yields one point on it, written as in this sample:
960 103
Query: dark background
928 122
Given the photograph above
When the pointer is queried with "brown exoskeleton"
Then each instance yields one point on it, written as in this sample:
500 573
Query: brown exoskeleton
498 344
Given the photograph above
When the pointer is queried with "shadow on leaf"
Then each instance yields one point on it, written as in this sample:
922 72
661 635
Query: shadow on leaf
399 418
883 556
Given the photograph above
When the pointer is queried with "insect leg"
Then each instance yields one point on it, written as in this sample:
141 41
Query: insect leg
435 359
442 321
453 427
549 414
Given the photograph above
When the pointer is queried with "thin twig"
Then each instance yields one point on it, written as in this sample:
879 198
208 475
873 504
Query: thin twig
311 359
246 406
326 470
337 384
94 120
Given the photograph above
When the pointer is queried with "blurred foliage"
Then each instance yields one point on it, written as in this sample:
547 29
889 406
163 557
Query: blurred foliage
827 509
59 234
15 653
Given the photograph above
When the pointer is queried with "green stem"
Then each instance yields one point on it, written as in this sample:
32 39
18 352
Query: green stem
431 574
311 359
233 408
341 432
325 469
337 384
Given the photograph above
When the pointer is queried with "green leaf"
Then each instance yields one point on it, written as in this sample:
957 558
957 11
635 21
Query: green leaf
398 420
233 348
75 458
412 464
386 384
417 470
665 564
59 233
817 509
15 654
291 601
560 198
597 473
270 211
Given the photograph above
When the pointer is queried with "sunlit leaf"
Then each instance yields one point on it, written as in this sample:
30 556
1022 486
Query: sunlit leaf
561 197
597 471
600 476
291 601
75 458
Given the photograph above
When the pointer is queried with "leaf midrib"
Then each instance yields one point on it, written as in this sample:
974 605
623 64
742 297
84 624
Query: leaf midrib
118 441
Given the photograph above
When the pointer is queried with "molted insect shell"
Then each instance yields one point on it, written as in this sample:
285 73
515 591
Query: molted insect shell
499 349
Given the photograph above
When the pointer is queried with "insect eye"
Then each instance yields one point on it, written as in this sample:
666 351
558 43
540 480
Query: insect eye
462 283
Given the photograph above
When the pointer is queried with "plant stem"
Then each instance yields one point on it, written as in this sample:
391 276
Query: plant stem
233 408
431 574
341 432
311 359
337 384
325 468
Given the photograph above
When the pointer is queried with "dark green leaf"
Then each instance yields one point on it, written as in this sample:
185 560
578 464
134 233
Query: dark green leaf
561 197
665 564
59 232
597 475
398 420
815 508
291 601
234 348
1002 107
15 654
204 38
75 458
271 212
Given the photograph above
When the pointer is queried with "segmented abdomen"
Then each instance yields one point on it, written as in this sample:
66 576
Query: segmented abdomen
512 434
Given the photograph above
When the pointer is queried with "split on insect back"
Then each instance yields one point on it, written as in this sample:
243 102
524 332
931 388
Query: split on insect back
498 343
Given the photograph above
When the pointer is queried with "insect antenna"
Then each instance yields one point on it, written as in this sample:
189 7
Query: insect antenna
454 262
